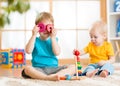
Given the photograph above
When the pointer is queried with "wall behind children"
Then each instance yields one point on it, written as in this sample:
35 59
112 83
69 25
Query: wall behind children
73 18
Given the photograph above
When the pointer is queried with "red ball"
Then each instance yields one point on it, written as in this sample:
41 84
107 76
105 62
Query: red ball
76 52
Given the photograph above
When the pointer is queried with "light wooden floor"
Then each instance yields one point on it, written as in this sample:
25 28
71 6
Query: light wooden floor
16 72
10 72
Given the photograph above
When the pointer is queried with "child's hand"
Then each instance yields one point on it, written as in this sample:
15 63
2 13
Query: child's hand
53 33
35 30
76 52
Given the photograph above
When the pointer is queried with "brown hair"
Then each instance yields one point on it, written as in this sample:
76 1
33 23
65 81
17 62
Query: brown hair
44 16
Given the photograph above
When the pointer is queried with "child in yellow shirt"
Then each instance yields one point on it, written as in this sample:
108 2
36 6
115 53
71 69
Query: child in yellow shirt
100 51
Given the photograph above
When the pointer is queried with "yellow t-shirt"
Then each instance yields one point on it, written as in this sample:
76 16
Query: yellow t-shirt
98 53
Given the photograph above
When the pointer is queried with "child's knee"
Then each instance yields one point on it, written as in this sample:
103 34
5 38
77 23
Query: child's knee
27 69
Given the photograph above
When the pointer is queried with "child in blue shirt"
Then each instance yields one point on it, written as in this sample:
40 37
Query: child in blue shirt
45 50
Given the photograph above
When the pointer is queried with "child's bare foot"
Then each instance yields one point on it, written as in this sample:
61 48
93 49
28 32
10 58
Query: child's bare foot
53 77
92 73
104 73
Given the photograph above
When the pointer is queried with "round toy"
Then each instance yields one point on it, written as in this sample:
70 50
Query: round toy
76 52
42 27
49 27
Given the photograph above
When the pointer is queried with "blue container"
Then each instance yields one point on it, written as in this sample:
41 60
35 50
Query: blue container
118 29
117 6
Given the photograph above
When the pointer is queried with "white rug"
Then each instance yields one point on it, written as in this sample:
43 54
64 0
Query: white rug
113 80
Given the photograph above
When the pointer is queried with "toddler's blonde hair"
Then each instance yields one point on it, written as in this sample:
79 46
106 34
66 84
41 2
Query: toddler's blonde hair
99 26
44 16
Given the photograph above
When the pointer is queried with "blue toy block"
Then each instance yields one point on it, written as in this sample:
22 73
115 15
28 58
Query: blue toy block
117 6
118 29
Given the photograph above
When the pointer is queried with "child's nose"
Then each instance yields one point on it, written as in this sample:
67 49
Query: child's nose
92 39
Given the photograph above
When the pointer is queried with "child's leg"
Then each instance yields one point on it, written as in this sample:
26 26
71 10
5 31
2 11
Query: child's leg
91 73
35 74
104 73
70 70
91 70
106 69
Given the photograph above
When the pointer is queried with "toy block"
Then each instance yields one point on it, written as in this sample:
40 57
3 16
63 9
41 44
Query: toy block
1 59
116 5
12 58
18 58
6 58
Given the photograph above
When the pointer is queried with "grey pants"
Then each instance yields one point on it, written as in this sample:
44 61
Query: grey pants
46 70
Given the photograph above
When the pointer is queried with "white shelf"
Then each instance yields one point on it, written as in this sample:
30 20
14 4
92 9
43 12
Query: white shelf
114 13
112 19
114 38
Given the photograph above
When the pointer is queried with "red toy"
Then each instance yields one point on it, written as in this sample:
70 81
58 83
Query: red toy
18 58
43 27
76 52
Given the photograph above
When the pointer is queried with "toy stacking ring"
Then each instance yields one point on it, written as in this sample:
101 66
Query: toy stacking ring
42 27
49 27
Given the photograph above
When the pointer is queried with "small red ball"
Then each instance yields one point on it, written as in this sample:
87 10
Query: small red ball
76 52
